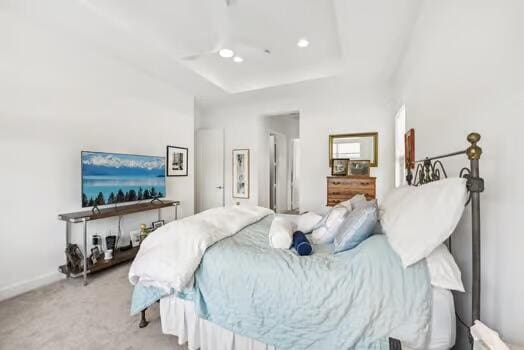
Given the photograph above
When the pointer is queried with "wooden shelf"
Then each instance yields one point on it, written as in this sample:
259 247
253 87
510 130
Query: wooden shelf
88 215
118 258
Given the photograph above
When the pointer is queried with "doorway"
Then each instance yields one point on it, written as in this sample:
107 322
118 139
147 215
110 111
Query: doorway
210 180
284 162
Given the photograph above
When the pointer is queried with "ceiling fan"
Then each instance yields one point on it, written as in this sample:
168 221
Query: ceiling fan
224 25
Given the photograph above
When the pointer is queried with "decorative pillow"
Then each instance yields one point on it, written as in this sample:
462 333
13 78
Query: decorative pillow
357 227
301 244
307 221
281 233
358 201
418 219
443 270
346 204
326 229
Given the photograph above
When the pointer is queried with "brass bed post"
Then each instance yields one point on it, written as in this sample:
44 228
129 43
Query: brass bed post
431 169
475 185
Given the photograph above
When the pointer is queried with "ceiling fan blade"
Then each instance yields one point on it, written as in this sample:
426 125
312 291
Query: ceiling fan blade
222 24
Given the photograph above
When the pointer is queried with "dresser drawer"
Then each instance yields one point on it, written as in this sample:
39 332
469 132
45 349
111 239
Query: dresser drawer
334 201
344 182
340 189
350 192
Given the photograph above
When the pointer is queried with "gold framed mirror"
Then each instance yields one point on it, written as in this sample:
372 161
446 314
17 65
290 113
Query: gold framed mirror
359 146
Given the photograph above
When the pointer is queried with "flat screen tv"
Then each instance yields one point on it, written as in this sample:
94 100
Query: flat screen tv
111 178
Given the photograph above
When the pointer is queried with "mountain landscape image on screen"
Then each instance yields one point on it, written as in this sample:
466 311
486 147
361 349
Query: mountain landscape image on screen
110 178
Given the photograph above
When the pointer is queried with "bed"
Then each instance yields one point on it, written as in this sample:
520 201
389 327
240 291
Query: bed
246 295
179 318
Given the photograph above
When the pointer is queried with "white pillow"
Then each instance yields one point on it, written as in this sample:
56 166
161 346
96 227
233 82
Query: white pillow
393 197
327 228
358 201
307 221
443 270
417 220
281 233
346 204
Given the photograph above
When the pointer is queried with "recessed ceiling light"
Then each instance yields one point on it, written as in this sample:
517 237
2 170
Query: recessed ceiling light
303 43
226 53
238 59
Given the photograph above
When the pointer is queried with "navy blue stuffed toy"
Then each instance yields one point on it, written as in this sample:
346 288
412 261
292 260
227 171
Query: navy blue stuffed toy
301 244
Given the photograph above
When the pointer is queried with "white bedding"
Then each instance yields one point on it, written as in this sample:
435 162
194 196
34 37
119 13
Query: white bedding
179 318
169 257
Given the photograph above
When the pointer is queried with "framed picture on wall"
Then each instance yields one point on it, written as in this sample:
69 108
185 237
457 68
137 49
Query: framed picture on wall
176 161
409 150
240 173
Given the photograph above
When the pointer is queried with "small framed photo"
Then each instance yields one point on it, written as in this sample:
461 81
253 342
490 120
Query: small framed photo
157 224
339 166
135 238
95 254
359 167
176 161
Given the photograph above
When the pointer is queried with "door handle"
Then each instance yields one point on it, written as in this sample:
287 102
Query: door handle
220 187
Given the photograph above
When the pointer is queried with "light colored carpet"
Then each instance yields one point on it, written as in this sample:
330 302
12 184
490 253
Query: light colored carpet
67 315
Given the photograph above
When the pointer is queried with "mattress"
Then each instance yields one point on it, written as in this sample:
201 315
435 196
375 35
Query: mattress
179 318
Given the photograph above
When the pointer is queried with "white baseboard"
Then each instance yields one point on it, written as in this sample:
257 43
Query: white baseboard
25 286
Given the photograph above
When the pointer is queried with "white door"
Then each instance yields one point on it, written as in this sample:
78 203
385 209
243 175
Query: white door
210 168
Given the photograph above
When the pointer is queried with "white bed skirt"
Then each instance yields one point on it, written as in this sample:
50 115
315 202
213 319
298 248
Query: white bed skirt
179 318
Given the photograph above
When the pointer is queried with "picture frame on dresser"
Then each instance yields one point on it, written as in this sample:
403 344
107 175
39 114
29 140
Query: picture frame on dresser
339 166
359 167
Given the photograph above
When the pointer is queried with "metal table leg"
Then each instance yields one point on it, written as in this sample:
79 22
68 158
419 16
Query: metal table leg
85 252
68 241
176 211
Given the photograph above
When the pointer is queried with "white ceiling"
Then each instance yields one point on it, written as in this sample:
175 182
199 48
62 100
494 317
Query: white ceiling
177 40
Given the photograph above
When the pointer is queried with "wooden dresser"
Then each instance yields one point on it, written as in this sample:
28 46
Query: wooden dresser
342 188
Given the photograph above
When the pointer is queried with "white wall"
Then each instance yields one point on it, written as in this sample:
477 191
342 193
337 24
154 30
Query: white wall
326 106
464 72
58 97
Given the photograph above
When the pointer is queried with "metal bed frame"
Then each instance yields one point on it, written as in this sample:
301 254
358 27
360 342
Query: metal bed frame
432 169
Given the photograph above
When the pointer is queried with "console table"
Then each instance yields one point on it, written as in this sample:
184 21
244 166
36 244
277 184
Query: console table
85 216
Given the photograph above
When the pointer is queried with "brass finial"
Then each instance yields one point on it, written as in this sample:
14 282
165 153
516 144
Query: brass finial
474 152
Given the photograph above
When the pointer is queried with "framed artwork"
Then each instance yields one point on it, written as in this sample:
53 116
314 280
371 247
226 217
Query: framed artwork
157 224
359 167
409 149
176 161
135 238
339 166
240 173
95 254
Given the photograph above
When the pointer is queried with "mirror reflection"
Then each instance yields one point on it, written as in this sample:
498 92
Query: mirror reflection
363 146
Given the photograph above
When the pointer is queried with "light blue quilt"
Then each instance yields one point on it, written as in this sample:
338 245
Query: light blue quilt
351 300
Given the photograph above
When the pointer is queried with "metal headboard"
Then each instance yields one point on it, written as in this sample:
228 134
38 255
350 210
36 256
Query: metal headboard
431 169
